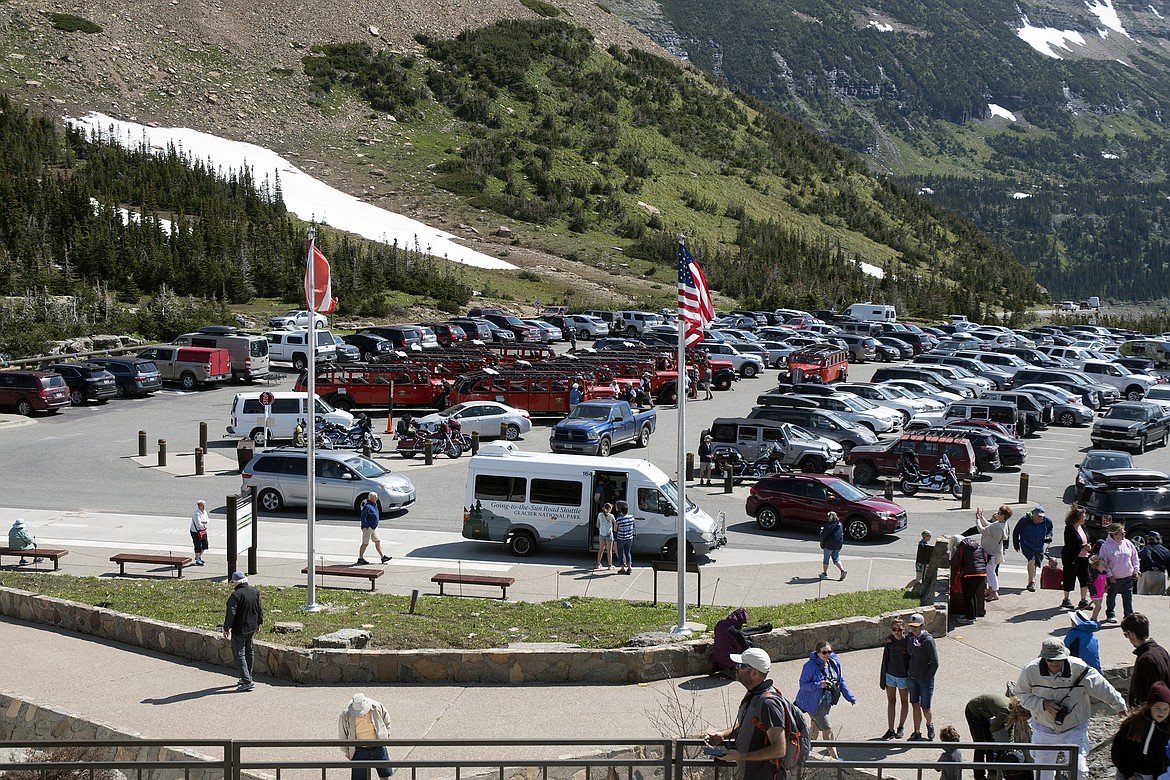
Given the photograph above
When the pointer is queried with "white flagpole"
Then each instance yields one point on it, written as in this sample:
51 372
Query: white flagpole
681 542
311 604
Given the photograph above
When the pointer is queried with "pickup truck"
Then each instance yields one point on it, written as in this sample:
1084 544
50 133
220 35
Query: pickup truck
291 346
594 427
190 366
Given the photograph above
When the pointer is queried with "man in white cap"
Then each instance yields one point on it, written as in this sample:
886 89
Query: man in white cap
243 619
922 667
364 720
758 736
1057 689
20 539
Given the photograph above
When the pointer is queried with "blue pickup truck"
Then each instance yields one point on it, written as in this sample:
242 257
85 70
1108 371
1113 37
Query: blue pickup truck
594 427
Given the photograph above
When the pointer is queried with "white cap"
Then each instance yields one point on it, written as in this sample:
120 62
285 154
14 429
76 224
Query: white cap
754 657
359 704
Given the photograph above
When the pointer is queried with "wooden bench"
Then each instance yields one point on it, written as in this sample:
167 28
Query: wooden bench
38 552
347 571
176 561
444 578
691 567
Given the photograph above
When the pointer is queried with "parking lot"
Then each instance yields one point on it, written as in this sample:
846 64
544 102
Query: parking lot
84 459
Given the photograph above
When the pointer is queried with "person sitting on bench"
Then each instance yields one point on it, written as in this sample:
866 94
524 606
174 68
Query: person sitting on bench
20 539
731 636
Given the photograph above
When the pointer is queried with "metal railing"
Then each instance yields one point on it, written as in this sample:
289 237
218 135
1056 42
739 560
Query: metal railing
485 759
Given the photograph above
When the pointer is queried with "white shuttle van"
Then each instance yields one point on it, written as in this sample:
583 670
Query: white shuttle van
526 500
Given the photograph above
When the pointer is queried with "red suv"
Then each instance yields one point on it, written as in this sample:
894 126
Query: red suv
805 500
33 391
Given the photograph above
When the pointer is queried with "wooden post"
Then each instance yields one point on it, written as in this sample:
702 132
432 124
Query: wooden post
198 462
728 482
690 466
966 494
889 490
203 436
162 452
474 442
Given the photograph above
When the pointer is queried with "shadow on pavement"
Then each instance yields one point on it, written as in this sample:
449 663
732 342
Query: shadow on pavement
189 695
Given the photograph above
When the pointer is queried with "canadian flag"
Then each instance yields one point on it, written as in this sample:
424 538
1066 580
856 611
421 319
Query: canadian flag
320 297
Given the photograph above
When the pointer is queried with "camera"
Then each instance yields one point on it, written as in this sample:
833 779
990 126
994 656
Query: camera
1058 718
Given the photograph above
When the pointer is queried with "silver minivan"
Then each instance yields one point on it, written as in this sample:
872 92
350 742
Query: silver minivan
343 480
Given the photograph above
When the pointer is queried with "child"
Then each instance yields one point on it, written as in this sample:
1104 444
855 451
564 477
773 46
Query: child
605 543
925 550
1098 583
951 734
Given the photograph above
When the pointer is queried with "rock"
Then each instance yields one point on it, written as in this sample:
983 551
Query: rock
652 209
288 627
652 638
373 31
362 139
343 639
566 603
377 172
503 231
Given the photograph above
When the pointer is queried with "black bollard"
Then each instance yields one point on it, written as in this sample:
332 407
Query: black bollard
199 461
474 442
966 494
203 436
142 444
366 450
162 452
727 481
690 466
428 452
504 431
889 490
1023 488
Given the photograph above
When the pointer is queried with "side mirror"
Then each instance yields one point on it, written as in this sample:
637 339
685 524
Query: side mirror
668 511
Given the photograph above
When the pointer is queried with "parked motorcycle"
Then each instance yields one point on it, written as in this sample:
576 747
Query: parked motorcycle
356 437
727 459
445 439
940 480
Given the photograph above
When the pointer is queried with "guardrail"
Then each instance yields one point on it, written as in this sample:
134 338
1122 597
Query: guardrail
65 357
605 759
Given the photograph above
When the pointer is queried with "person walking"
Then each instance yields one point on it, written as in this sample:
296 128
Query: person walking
921 670
199 530
1057 689
574 396
1074 557
822 685
992 536
371 517
623 534
1152 663
245 615
894 678
758 736
1030 536
705 462
605 544
571 332
986 714
1153 561
365 720
1139 747
832 540
1121 571
19 540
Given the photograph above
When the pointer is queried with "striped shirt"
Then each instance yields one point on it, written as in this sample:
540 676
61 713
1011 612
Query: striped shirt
623 527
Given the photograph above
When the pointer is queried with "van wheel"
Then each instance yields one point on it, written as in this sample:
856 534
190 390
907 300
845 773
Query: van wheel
187 381
670 551
857 529
521 544
644 436
24 407
749 370
270 500
603 447
1134 393
258 437
299 362
813 464
768 518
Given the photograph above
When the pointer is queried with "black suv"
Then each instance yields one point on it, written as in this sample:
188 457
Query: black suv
133 376
86 383
1139 498
401 336
1132 424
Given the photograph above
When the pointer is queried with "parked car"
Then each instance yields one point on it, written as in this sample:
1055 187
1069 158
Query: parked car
297 319
861 348
133 376
549 333
86 382
190 366
891 396
1133 425
343 480
346 353
983 443
879 459
33 391
1138 498
369 345
484 418
521 332
1100 460
802 501
401 336
1067 408
747 365
823 423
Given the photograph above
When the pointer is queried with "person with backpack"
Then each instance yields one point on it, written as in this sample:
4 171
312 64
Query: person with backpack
769 735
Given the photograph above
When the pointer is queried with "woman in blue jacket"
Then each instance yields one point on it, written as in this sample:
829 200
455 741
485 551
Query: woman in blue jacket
821 685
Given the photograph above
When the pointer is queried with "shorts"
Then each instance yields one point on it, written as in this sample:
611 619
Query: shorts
897 682
606 536
835 555
370 535
820 722
921 691
1033 554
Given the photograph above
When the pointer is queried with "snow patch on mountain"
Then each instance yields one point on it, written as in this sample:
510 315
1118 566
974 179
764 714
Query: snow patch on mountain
1043 39
1001 112
1107 14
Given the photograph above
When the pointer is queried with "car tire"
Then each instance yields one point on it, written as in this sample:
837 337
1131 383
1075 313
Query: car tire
1134 393
299 362
76 397
749 370
812 464
341 402
723 384
368 357
857 528
187 381
24 407
258 437
1066 419
1143 444
644 436
604 447
631 332
360 502
521 544
670 551
512 432
119 391
270 500
768 517
865 473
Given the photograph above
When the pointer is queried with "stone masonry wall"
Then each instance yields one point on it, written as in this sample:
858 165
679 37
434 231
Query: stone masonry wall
501 665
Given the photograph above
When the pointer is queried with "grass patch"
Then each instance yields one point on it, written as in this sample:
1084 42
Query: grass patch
541 7
438 622
71 23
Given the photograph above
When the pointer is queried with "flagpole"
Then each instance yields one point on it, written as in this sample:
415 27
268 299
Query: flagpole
311 604
681 540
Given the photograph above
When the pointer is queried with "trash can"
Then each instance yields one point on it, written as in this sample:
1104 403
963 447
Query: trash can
244 452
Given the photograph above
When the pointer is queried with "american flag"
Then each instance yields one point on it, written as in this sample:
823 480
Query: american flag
694 300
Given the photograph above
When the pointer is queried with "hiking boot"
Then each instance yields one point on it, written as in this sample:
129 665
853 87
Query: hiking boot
916 737
890 734
901 732
1083 604
930 733
1066 604
363 562
385 559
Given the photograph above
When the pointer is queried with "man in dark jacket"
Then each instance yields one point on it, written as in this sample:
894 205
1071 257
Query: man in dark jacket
1152 663
1154 561
1030 536
243 619
922 669
832 540
969 567
729 639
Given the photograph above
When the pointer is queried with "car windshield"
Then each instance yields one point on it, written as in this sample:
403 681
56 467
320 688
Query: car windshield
1130 501
1127 413
1158 393
587 412
847 491
858 404
365 466
670 490
451 411
1099 461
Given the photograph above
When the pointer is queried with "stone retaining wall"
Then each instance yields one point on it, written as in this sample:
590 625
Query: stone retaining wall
500 665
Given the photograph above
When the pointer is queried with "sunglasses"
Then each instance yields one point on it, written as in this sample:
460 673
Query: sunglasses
824 652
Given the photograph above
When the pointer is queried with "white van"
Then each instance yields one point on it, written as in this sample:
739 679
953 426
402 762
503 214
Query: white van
247 352
287 409
527 499
872 312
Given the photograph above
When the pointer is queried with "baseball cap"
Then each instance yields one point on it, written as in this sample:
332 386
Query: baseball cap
1053 650
916 619
238 576
1037 510
754 657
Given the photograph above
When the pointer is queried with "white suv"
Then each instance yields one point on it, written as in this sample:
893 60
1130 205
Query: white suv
855 409
297 319
746 364
1129 383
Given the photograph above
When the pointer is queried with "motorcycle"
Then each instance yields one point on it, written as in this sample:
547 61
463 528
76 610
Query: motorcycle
940 480
442 439
728 460
356 437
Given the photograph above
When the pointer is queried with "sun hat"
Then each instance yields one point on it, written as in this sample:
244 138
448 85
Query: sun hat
1053 650
359 704
754 657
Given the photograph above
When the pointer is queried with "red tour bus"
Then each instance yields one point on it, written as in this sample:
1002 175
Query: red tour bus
823 364
541 392
350 386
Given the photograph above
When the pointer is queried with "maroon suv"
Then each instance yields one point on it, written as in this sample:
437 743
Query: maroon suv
805 500
33 391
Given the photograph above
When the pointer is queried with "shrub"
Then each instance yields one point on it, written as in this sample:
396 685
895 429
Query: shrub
70 23
529 276
541 7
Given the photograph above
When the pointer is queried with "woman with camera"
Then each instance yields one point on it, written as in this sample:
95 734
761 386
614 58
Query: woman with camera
821 686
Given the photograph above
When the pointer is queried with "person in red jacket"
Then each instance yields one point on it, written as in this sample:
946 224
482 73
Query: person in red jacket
969 568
